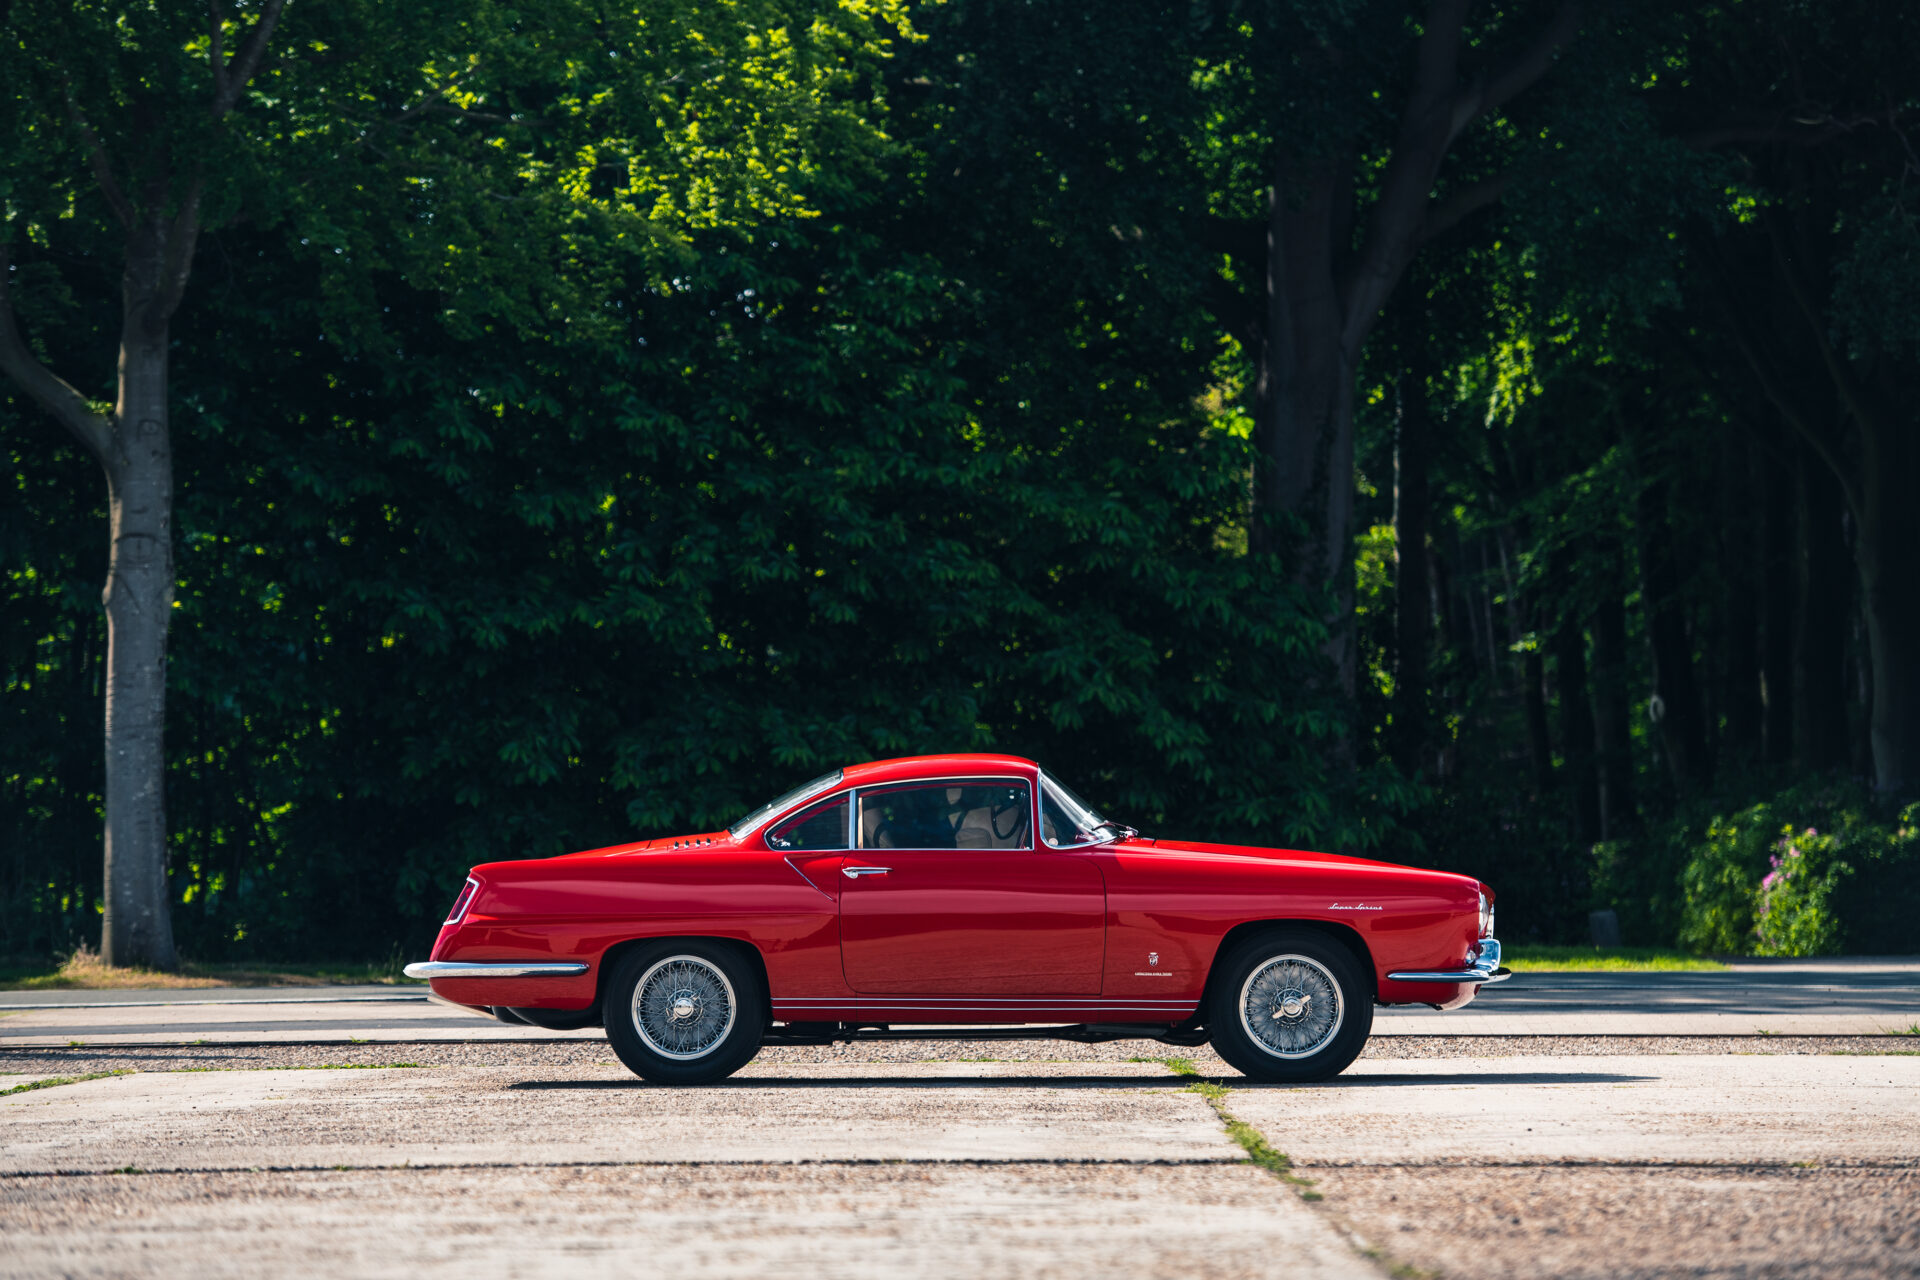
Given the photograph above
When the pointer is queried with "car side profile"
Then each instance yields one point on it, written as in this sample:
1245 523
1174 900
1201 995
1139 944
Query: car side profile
958 896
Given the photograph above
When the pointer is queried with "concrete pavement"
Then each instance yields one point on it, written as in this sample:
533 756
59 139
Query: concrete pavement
1724 1165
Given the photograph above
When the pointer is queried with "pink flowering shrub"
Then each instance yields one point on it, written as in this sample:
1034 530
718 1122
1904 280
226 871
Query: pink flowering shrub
1813 870
1792 909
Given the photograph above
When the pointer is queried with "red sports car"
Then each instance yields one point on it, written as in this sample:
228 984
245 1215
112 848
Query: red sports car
958 896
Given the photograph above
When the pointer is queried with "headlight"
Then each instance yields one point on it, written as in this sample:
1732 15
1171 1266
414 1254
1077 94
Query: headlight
1486 915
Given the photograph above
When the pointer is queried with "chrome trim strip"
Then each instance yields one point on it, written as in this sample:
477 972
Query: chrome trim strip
1485 968
493 969
1033 802
869 1006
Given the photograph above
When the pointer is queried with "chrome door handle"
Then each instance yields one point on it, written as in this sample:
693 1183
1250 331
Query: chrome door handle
854 873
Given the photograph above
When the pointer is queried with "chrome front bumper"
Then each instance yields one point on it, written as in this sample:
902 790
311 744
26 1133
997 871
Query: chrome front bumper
494 969
1485 968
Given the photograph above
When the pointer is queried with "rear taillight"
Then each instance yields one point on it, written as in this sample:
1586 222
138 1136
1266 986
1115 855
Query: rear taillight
460 903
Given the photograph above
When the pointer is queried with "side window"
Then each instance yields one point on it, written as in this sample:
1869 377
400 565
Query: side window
946 815
1057 825
821 827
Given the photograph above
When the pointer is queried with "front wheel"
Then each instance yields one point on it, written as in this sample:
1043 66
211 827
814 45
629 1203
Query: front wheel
1289 1004
686 1011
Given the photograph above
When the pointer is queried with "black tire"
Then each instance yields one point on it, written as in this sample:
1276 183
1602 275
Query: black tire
1266 1010
723 1005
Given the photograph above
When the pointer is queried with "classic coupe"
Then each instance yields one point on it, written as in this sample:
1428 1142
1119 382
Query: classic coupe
957 896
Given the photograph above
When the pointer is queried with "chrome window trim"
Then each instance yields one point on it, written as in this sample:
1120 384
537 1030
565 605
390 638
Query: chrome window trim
816 802
1061 848
1033 844
828 781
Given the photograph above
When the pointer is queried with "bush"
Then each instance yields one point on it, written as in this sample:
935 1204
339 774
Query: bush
1810 871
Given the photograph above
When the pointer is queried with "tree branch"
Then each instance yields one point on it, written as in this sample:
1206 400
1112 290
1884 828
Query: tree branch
216 48
1843 380
48 391
1462 203
1418 149
102 166
1764 365
1525 67
182 238
230 81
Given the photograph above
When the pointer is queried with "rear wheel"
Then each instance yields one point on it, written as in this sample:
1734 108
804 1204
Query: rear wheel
1289 1004
685 1011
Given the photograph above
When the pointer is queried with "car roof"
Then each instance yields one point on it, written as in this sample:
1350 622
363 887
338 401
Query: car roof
908 767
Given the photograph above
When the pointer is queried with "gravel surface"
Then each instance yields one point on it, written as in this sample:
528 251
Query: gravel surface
883 1221
1588 1223
587 1053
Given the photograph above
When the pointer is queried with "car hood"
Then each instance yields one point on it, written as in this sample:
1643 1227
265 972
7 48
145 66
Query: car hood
1259 853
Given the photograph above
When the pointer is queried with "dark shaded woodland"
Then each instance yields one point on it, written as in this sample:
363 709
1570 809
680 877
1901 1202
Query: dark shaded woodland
1479 435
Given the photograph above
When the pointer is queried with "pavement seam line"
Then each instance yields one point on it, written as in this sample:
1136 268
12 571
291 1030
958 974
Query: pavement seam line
1264 1154
56 1081
984 1162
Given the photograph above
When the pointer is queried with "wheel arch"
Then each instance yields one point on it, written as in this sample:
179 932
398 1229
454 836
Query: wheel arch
1342 934
748 953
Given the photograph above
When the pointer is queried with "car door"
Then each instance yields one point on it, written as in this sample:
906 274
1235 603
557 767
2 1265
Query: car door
946 895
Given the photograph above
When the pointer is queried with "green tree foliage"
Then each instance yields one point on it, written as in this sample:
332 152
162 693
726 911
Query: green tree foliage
497 562
592 421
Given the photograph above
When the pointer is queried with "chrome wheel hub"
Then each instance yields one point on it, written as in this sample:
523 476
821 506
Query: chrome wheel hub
683 1007
1290 1006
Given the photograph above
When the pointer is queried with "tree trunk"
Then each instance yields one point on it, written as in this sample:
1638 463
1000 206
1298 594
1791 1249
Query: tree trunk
1533 692
1577 730
1739 553
1325 287
1825 581
138 598
160 216
1887 551
1303 405
1778 605
1412 593
1677 711
1613 727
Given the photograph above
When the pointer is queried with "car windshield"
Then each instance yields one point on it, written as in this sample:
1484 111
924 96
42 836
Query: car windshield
1066 819
795 796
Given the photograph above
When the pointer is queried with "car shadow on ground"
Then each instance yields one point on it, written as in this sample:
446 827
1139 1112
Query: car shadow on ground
886 1082
1400 1079
1110 1082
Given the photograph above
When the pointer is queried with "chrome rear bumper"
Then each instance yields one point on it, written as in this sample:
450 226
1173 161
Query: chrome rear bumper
494 969
1485 968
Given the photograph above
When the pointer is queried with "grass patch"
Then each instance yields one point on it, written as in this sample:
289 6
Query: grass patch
1913 1029
55 1081
84 971
1530 958
1245 1136
318 1066
1251 1140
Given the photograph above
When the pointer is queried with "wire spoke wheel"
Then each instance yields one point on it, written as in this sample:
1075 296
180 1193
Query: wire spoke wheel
1291 1006
683 1007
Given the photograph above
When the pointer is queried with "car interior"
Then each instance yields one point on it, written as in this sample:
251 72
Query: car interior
946 816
